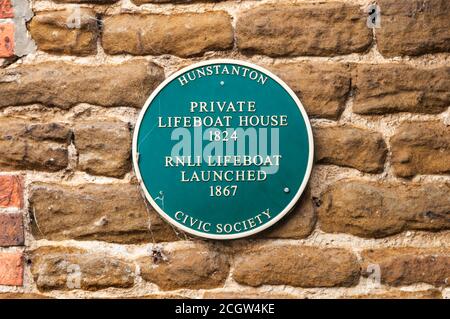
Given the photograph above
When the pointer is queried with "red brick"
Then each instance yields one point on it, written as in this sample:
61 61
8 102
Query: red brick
11 269
6 9
11 230
6 40
11 191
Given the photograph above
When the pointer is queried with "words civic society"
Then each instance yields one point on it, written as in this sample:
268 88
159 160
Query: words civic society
238 226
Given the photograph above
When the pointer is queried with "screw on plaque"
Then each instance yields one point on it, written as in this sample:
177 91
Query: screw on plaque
287 190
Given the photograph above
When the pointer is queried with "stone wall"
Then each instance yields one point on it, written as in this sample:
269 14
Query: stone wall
374 223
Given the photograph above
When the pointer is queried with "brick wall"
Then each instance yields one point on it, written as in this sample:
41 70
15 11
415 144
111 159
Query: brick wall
375 221
6 29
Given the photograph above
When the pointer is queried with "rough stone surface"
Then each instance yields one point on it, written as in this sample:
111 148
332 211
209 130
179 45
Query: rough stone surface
87 1
66 268
390 88
33 146
69 31
421 148
318 29
11 230
66 111
64 84
293 265
370 209
407 266
244 295
11 269
186 34
140 2
195 267
161 296
13 295
323 88
351 147
11 191
413 27
112 212
400 294
297 224
103 148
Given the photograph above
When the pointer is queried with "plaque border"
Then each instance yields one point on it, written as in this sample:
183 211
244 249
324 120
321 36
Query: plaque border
285 211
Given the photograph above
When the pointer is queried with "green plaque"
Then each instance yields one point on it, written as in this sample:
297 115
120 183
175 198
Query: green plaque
223 149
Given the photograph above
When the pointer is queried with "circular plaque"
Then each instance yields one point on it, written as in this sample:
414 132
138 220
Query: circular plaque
223 149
